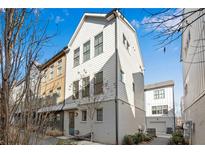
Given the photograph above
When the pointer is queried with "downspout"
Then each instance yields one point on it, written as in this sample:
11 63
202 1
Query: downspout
116 79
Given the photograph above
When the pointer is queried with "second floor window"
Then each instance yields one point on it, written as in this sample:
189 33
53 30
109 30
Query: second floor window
98 44
159 94
58 91
86 87
75 89
86 51
161 109
51 72
76 60
59 69
98 83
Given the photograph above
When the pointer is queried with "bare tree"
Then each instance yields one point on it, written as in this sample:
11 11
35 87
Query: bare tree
22 36
93 101
168 25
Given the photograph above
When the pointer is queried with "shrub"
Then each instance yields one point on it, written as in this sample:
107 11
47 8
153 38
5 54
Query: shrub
128 140
147 137
54 132
177 138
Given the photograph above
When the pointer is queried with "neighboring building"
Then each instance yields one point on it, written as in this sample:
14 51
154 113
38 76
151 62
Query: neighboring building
105 63
159 102
52 88
193 60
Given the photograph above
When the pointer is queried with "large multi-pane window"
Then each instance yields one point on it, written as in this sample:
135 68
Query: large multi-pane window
84 115
86 51
159 94
76 60
59 67
75 89
51 72
98 44
98 83
100 114
86 87
161 109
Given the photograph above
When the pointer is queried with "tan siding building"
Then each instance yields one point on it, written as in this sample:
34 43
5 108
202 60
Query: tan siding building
52 88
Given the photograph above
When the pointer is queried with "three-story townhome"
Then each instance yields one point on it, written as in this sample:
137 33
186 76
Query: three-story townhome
104 93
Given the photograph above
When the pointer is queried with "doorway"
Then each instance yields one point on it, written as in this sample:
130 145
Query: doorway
71 123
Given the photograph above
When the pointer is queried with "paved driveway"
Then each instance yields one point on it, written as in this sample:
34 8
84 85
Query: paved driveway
158 141
161 139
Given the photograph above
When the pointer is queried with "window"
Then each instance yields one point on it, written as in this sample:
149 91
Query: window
122 76
159 94
165 109
100 114
86 51
58 91
98 83
84 115
76 57
161 109
59 69
98 44
86 87
51 72
76 90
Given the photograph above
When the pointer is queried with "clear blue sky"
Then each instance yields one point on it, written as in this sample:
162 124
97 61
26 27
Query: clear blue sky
159 66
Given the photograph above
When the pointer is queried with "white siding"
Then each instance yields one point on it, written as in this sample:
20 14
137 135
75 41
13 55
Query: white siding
103 62
193 59
131 112
150 101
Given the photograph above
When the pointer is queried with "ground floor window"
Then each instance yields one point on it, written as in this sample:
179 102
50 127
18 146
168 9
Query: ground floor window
100 114
84 115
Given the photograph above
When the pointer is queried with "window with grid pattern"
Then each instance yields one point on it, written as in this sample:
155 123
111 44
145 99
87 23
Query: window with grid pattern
76 60
100 114
86 87
98 44
161 109
75 89
159 94
98 83
86 51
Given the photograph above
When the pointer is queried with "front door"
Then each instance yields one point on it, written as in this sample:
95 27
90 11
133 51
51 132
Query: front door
71 123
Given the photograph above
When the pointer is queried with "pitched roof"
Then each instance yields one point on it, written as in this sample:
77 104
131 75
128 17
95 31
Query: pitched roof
159 85
99 15
56 56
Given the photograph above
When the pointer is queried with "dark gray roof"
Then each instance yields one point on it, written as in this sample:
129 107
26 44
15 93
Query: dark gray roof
159 85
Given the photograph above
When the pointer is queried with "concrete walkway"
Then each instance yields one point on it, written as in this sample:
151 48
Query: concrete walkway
158 141
161 139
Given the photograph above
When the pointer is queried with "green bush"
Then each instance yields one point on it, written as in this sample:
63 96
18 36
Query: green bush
147 138
128 140
177 138
136 138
